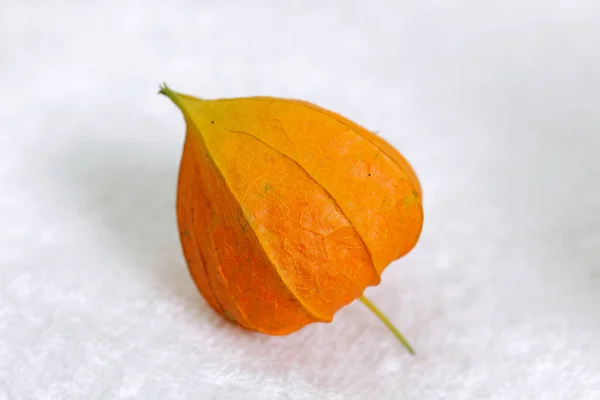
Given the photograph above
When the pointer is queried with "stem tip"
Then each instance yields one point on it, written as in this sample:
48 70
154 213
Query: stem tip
387 323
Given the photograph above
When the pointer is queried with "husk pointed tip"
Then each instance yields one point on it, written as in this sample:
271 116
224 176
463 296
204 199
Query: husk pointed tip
166 91
173 96
163 88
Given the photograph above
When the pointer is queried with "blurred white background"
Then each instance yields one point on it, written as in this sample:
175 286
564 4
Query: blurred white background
496 105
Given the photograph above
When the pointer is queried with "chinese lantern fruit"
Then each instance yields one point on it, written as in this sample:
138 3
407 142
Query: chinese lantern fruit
288 211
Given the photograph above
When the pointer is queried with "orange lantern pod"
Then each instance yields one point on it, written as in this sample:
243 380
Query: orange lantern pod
288 211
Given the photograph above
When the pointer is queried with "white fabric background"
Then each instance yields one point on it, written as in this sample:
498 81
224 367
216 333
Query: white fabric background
496 104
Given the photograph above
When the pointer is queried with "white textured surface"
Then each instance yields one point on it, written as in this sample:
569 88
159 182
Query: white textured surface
495 103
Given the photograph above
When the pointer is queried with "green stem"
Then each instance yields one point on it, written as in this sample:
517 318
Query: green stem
387 323
165 90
